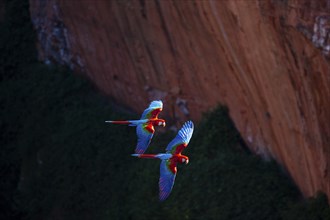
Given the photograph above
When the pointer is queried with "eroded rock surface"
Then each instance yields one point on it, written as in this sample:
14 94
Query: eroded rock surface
268 61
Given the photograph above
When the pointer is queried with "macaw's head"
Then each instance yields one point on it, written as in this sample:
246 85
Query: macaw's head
183 159
161 122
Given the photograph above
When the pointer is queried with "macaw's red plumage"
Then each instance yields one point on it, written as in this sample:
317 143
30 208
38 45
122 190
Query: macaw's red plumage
170 159
145 126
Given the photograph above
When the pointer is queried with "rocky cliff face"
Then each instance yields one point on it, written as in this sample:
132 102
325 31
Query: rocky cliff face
268 61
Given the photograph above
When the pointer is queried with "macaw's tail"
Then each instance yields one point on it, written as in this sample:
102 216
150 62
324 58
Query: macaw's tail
119 122
129 122
153 156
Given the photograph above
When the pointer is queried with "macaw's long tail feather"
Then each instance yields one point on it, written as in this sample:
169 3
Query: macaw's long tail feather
153 156
129 122
119 122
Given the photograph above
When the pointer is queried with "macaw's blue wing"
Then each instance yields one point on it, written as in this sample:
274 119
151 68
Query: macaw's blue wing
153 110
182 139
144 133
167 176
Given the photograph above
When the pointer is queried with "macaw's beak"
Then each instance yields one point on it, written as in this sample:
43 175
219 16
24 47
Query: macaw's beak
187 161
164 124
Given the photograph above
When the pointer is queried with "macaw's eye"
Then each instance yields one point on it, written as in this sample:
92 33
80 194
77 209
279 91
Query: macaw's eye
160 123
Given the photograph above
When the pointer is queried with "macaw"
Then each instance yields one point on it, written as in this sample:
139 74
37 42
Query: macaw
170 159
145 125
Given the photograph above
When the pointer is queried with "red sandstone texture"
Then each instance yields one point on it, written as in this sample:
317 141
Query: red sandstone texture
268 61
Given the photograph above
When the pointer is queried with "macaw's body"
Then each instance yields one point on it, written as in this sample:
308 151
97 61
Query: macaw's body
145 127
170 159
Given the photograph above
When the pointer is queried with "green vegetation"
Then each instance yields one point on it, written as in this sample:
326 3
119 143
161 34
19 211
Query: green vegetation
59 160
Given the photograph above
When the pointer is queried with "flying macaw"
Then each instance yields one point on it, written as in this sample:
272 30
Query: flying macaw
145 126
170 159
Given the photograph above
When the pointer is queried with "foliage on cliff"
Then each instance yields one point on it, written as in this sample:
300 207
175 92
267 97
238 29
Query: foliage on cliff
59 160
77 167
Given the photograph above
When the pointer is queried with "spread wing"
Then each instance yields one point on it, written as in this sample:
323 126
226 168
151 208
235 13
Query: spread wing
153 110
167 176
182 139
144 132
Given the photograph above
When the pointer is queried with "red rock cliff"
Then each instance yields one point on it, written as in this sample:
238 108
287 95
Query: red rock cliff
268 61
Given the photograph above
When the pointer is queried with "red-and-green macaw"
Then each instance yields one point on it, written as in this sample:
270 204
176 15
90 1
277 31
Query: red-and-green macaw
145 125
170 159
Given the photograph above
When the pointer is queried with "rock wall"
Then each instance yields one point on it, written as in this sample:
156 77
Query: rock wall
268 61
